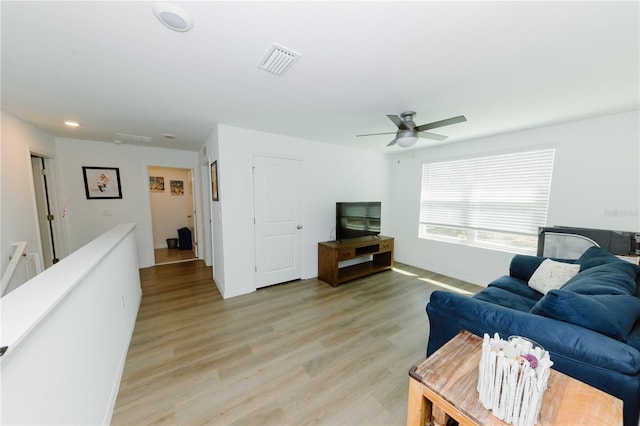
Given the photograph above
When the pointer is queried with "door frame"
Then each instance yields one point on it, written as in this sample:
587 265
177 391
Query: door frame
195 217
57 208
194 206
206 219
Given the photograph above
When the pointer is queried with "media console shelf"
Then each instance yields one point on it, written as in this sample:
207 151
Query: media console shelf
331 253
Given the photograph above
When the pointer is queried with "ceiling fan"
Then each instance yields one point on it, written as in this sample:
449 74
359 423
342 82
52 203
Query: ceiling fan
408 133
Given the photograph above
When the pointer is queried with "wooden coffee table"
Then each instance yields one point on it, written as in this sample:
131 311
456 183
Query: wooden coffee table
444 386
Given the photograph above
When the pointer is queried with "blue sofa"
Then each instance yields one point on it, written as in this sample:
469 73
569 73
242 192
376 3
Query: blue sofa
590 325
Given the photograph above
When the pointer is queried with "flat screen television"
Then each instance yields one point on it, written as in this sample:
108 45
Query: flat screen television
357 219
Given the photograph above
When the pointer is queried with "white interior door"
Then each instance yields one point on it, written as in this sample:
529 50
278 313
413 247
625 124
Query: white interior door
277 184
45 216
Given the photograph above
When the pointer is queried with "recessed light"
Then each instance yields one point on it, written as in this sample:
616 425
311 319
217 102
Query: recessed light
72 123
172 16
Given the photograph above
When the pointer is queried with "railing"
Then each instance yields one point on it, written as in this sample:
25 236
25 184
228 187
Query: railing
13 263
33 264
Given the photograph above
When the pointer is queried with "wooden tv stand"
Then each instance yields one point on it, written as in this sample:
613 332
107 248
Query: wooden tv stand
331 253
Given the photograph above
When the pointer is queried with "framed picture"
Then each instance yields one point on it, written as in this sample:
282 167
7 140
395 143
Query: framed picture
156 183
101 182
214 181
177 187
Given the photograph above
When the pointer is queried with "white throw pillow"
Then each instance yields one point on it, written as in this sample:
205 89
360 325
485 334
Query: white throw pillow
552 275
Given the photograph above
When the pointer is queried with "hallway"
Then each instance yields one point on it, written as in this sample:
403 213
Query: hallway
167 255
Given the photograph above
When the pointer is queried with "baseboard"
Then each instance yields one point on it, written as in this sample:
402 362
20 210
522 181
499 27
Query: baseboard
236 292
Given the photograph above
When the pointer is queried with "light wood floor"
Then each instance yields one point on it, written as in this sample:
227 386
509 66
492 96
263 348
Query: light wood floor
167 255
292 354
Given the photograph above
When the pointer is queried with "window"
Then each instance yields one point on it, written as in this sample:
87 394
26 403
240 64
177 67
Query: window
496 201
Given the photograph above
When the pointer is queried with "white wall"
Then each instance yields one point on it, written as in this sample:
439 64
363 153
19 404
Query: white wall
86 219
68 332
596 184
17 199
330 173
215 210
170 212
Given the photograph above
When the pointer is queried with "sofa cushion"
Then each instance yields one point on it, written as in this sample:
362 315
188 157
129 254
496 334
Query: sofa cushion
551 275
596 256
604 279
517 287
611 315
633 339
505 298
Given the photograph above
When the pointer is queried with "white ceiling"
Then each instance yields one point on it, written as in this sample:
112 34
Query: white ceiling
506 66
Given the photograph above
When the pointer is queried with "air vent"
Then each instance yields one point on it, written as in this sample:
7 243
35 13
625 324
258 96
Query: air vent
278 59
134 138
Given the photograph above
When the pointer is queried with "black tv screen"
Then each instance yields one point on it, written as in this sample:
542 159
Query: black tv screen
357 219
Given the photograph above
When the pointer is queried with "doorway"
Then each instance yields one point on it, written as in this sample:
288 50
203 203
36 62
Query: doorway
277 185
173 215
44 210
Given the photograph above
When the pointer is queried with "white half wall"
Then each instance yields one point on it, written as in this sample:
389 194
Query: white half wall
596 184
330 174
86 219
68 332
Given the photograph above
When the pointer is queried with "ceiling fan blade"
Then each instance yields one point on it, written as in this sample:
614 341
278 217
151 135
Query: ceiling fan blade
432 136
374 134
393 142
398 122
442 123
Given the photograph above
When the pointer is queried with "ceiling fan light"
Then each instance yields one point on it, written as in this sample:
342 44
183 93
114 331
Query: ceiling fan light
406 139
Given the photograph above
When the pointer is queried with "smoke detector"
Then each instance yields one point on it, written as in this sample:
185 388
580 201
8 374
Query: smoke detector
278 59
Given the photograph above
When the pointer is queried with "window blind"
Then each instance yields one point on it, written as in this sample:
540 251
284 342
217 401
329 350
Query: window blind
505 193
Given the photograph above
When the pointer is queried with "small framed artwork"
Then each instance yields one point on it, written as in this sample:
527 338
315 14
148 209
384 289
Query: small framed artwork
214 181
156 183
101 182
177 187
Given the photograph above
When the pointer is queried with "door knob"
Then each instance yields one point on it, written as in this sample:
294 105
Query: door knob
299 227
